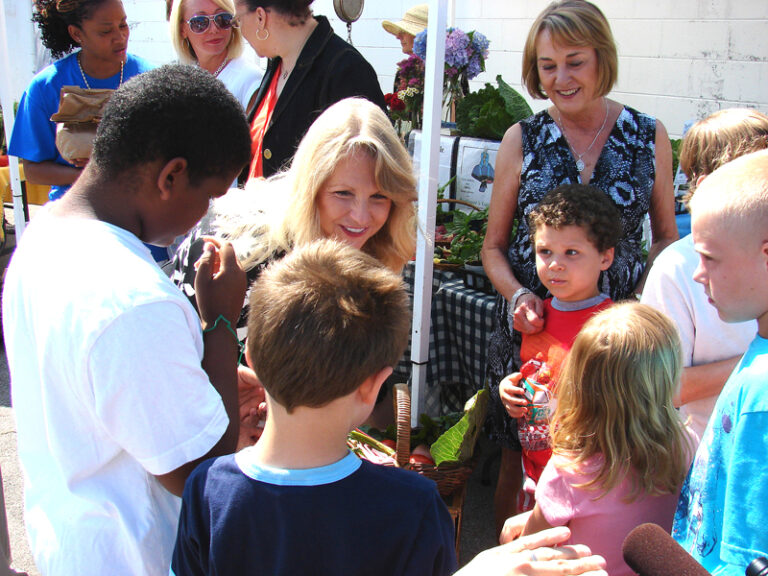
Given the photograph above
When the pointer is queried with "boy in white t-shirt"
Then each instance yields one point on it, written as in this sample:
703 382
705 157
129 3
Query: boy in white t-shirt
711 347
115 398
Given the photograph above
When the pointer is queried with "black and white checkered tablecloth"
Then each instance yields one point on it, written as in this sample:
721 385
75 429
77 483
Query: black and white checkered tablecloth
461 324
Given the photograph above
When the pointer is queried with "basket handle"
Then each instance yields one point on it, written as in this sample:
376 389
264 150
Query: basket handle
462 202
402 400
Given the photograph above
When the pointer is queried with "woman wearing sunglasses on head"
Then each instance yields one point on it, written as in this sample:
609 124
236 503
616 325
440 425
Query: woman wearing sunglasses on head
309 69
203 32
99 28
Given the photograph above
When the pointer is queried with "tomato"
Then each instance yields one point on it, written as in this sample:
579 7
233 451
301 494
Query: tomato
419 459
421 455
389 442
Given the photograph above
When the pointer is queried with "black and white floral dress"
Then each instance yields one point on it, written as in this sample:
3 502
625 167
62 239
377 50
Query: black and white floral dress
625 171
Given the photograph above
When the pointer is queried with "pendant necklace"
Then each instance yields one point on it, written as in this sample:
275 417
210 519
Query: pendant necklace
579 162
122 64
285 75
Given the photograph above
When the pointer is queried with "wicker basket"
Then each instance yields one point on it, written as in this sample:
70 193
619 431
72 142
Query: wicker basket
448 477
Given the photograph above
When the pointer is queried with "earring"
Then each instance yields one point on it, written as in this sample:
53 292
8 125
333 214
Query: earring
265 37
186 44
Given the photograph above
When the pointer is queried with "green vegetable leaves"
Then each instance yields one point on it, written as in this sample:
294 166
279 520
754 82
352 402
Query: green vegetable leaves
457 444
488 112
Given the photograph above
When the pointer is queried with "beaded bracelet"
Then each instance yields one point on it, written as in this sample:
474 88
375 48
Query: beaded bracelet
228 325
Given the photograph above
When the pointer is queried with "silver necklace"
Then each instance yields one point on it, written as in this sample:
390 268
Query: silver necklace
579 162
122 64
220 68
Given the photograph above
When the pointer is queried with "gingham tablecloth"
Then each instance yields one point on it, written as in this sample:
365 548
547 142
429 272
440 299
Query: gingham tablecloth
462 320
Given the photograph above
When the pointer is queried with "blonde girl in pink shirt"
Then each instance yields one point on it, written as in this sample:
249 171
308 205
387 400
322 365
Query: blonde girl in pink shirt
620 450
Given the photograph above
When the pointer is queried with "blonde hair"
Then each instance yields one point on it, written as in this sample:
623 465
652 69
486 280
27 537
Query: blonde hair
572 23
720 138
615 399
284 208
184 48
738 193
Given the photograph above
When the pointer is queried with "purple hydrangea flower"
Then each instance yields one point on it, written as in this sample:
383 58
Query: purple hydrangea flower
456 45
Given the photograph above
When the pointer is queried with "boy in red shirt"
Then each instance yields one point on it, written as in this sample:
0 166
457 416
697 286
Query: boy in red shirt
574 231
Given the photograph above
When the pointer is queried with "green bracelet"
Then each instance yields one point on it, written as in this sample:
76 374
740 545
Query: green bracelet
228 324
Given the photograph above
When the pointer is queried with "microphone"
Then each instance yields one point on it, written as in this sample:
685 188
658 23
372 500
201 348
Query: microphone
650 551
758 567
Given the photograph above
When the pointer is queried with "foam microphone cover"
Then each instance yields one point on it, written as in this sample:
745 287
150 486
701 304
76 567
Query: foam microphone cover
758 567
650 551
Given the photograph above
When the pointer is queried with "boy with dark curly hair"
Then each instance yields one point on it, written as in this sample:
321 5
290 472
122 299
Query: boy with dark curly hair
118 392
574 230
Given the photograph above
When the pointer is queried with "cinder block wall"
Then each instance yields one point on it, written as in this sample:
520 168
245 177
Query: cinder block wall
678 60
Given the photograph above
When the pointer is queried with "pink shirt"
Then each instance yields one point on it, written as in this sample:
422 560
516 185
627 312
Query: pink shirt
601 524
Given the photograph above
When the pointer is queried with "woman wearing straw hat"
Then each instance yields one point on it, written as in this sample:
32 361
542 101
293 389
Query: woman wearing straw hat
414 21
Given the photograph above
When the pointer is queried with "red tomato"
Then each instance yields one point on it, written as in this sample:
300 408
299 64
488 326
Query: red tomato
419 459
391 443
421 455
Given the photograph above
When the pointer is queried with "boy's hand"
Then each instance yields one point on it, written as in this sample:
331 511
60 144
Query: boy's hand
512 397
529 314
220 284
253 407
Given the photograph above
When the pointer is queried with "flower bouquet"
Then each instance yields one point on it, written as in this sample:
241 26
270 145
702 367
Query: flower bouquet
406 103
465 55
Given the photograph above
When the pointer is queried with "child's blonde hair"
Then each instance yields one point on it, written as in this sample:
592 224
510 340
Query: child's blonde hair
720 138
615 399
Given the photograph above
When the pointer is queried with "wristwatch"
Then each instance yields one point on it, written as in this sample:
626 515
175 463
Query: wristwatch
515 297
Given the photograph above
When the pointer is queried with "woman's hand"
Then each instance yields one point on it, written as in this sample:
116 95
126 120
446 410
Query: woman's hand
253 407
512 396
529 314
220 284
536 555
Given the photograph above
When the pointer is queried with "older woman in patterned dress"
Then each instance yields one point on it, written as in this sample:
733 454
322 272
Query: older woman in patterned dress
569 57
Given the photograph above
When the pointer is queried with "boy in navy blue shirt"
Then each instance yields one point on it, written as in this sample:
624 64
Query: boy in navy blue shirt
326 325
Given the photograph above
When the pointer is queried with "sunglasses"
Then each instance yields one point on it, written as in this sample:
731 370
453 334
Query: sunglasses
200 23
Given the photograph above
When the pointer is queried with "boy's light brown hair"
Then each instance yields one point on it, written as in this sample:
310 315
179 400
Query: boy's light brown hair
322 320
720 138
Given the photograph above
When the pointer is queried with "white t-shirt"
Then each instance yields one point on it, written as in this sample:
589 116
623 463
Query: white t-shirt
108 391
705 338
242 78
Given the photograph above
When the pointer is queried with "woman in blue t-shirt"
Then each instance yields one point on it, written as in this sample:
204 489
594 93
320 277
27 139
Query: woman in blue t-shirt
99 28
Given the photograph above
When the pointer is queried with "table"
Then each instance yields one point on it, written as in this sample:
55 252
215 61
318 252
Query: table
461 325
32 193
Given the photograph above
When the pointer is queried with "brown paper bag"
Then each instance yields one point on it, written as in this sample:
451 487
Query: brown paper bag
80 111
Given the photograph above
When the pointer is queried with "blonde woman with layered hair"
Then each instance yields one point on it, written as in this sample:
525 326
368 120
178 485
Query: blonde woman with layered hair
205 33
620 450
351 179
